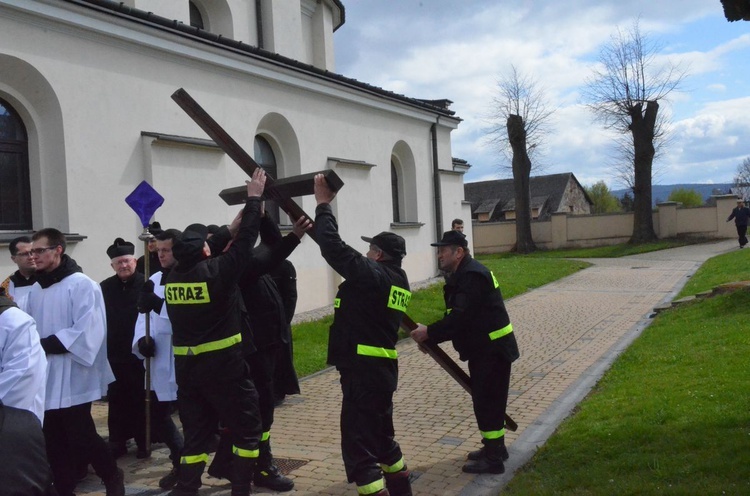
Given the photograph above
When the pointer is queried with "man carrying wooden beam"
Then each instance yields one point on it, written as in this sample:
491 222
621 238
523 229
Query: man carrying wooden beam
478 324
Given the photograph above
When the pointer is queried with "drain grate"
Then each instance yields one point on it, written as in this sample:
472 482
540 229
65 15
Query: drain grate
287 465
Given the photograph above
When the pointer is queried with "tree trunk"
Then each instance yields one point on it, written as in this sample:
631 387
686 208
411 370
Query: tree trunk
642 127
521 173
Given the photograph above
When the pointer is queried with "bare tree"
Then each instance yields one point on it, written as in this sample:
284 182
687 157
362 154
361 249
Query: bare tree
624 94
742 179
520 116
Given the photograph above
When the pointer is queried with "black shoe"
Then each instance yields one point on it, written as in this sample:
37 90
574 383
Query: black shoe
169 480
117 449
82 473
273 480
477 454
115 485
142 453
484 466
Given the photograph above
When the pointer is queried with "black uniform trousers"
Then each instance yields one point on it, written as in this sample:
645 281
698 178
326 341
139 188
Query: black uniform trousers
262 364
490 381
367 434
741 234
164 428
126 397
72 441
210 384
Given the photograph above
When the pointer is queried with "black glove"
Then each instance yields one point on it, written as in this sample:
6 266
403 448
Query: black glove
147 300
52 346
147 347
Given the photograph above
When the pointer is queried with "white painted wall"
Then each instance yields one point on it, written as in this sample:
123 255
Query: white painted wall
87 85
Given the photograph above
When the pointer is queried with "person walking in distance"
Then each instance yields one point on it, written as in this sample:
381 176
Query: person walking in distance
741 216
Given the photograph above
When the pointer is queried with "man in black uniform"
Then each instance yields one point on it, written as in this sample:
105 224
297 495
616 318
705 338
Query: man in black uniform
127 417
741 216
265 312
478 324
204 304
362 345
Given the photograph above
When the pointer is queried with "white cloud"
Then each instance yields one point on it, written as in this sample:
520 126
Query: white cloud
458 50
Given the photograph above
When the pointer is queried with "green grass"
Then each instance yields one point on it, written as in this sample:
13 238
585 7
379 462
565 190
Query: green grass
516 275
613 251
729 267
671 416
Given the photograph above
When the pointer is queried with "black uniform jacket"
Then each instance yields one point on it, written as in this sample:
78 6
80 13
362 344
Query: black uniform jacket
262 300
474 311
203 300
120 300
367 309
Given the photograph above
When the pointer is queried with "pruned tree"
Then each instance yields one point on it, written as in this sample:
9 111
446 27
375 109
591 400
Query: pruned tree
520 122
624 94
742 179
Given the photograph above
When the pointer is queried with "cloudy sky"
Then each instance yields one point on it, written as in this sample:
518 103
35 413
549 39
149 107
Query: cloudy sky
458 49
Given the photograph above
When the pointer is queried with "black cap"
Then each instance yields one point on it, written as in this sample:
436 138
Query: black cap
119 248
212 228
198 228
451 238
189 246
393 244
155 228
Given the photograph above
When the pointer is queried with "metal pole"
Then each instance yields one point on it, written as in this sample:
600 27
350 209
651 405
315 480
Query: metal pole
145 236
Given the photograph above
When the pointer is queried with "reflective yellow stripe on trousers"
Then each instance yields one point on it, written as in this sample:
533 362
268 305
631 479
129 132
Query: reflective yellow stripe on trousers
205 347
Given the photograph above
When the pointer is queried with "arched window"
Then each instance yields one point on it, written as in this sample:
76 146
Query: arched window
265 157
395 193
15 194
196 18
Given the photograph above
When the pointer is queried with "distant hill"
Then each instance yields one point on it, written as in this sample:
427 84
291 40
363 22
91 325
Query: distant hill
661 192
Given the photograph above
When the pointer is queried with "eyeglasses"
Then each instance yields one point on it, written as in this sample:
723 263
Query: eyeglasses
39 251
25 254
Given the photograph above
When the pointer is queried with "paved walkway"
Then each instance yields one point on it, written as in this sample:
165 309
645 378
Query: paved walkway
569 332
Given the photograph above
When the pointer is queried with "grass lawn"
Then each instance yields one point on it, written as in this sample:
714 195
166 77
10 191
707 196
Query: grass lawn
672 416
516 275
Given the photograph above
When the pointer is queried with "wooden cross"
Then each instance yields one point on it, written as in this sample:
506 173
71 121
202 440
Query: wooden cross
281 192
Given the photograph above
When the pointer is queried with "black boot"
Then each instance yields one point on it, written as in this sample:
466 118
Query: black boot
477 454
490 462
267 473
242 473
169 480
398 483
115 484
221 466
188 479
